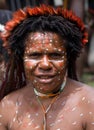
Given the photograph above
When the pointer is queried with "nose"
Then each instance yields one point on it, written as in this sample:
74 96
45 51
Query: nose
45 63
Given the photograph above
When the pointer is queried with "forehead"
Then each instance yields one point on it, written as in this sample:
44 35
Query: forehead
46 40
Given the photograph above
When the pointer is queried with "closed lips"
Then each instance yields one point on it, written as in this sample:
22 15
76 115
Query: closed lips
45 76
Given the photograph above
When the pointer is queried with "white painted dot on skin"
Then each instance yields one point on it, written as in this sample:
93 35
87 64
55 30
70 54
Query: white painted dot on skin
35 81
92 123
60 61
3 104
30 123
51 40
74 123
58 129
30 67
52 124
27 51
61 116
43 34
43 42
83 98
31 38
49 116
73 109
47 49
59 49
59 120
36 37
41 88
18 104
50 44
29 116
63 57
16 111
5 98
10 125
0 116
88 102
90 113
37 127
37 114
66 109
81 114
56 41
14 119
55 48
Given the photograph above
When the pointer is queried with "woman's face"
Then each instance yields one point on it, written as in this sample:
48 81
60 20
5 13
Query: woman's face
45 61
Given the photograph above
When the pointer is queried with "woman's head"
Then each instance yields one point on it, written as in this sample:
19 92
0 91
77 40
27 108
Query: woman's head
45 61
45 19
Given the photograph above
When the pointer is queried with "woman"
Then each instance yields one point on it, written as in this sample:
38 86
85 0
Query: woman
44 44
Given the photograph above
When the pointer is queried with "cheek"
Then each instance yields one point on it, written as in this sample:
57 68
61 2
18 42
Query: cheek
28 65
61 65
28 68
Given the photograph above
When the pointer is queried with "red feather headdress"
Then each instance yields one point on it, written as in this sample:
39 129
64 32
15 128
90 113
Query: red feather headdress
21 15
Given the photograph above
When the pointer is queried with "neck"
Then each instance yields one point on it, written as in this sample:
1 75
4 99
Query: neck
47 95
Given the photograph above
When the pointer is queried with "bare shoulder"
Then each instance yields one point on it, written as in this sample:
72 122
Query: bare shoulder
17 96
83 89
82 94
7 110
86 91
13 99
87 105
9 105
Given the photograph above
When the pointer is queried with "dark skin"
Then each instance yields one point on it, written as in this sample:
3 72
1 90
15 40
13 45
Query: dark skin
73 108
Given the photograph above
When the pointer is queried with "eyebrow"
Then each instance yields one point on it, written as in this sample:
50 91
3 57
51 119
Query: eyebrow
39 52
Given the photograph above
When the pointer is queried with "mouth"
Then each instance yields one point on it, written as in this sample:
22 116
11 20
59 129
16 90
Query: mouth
45 78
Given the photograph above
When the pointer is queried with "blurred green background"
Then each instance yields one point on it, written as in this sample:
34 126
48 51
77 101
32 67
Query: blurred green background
88 78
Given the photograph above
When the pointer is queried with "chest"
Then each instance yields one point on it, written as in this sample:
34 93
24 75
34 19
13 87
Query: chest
59 117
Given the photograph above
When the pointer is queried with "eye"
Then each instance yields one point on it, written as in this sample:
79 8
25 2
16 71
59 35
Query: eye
56 56
34 55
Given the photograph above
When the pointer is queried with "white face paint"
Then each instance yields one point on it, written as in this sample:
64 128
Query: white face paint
92 123
37 114
83 98
90 113
81 114
73 109
74 123
46 50
0 116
